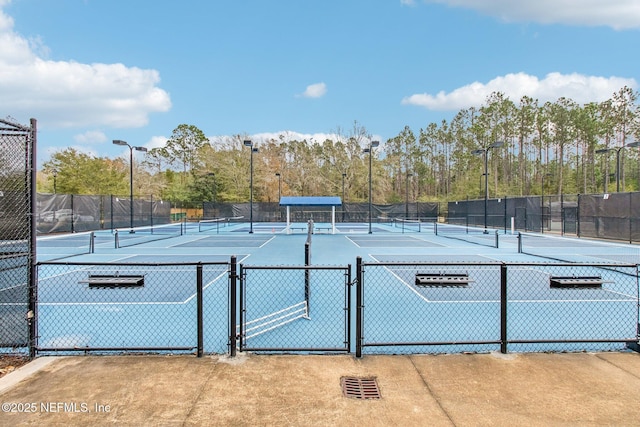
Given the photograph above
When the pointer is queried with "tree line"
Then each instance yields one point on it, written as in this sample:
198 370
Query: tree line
567 147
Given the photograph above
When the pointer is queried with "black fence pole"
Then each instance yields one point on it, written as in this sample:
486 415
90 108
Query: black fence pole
307 278
348 310
630 216
199 309
503 308
359 307
32 272
73 216
233 301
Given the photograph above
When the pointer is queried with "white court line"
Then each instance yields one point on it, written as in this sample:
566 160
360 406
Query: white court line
403 282
135 302
631 297
188 241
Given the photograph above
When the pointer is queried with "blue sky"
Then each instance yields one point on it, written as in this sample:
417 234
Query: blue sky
91 71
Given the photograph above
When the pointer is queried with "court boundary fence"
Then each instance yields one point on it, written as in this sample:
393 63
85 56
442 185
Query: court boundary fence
502 320
17 234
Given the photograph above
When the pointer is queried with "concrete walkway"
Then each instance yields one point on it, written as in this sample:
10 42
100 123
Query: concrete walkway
251 390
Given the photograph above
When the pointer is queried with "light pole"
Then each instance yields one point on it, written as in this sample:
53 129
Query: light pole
55 176
249 144
485 153
215 185
279 186
131 148
406 207
633 145
369 149
343 201
542 200
617 150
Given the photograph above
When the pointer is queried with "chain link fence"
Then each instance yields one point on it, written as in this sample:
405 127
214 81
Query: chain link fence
481 307
408 307
17 240
69 213
132 307
294 308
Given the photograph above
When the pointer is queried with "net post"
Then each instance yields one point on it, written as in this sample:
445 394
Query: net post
92 238
359 307
117 242
233 301
503 308
497 244
199 309
519 242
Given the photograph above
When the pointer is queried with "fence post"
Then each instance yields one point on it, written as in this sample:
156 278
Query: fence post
233 301
73 214
348 309
307 279
33 269
359 307
503 308
199 309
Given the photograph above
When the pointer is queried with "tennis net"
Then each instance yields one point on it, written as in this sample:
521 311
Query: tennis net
64 245
570 249
475 235
140 235
209 225
408 225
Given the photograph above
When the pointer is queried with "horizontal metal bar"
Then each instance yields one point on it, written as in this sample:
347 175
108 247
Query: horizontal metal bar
115 348
508 264
135 264
311 349
625 340
430 343
293 267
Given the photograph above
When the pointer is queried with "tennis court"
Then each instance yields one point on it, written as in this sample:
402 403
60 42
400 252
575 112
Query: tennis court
421 291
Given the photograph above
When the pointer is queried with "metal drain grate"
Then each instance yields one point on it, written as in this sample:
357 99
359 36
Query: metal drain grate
360 388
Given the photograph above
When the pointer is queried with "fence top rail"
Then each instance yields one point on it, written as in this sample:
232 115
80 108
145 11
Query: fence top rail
136 264
495 263
295 267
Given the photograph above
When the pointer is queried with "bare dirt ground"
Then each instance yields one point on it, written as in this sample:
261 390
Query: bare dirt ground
11 363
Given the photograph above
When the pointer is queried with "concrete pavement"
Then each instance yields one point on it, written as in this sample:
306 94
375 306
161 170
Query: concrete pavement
299 390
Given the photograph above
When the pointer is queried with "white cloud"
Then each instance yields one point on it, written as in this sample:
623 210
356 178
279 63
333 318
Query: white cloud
71 94
156 142
316 90
91 137
580 88
618 14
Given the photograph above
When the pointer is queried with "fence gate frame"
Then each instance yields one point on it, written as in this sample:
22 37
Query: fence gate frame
239 325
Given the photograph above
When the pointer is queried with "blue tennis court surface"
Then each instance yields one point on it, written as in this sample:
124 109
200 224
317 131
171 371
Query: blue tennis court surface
73 313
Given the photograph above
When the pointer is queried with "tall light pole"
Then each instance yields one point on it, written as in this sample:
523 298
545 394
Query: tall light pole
344 175
406 207
369 149
633 145
485 153
617 150
542 200
215 185
279 186
55 176
131 148
249 144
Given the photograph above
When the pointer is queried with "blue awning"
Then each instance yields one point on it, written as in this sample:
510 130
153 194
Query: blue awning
311 201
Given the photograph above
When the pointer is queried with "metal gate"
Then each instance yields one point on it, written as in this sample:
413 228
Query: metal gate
17 235
294 309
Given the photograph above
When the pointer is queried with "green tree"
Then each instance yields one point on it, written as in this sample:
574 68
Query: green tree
81 173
